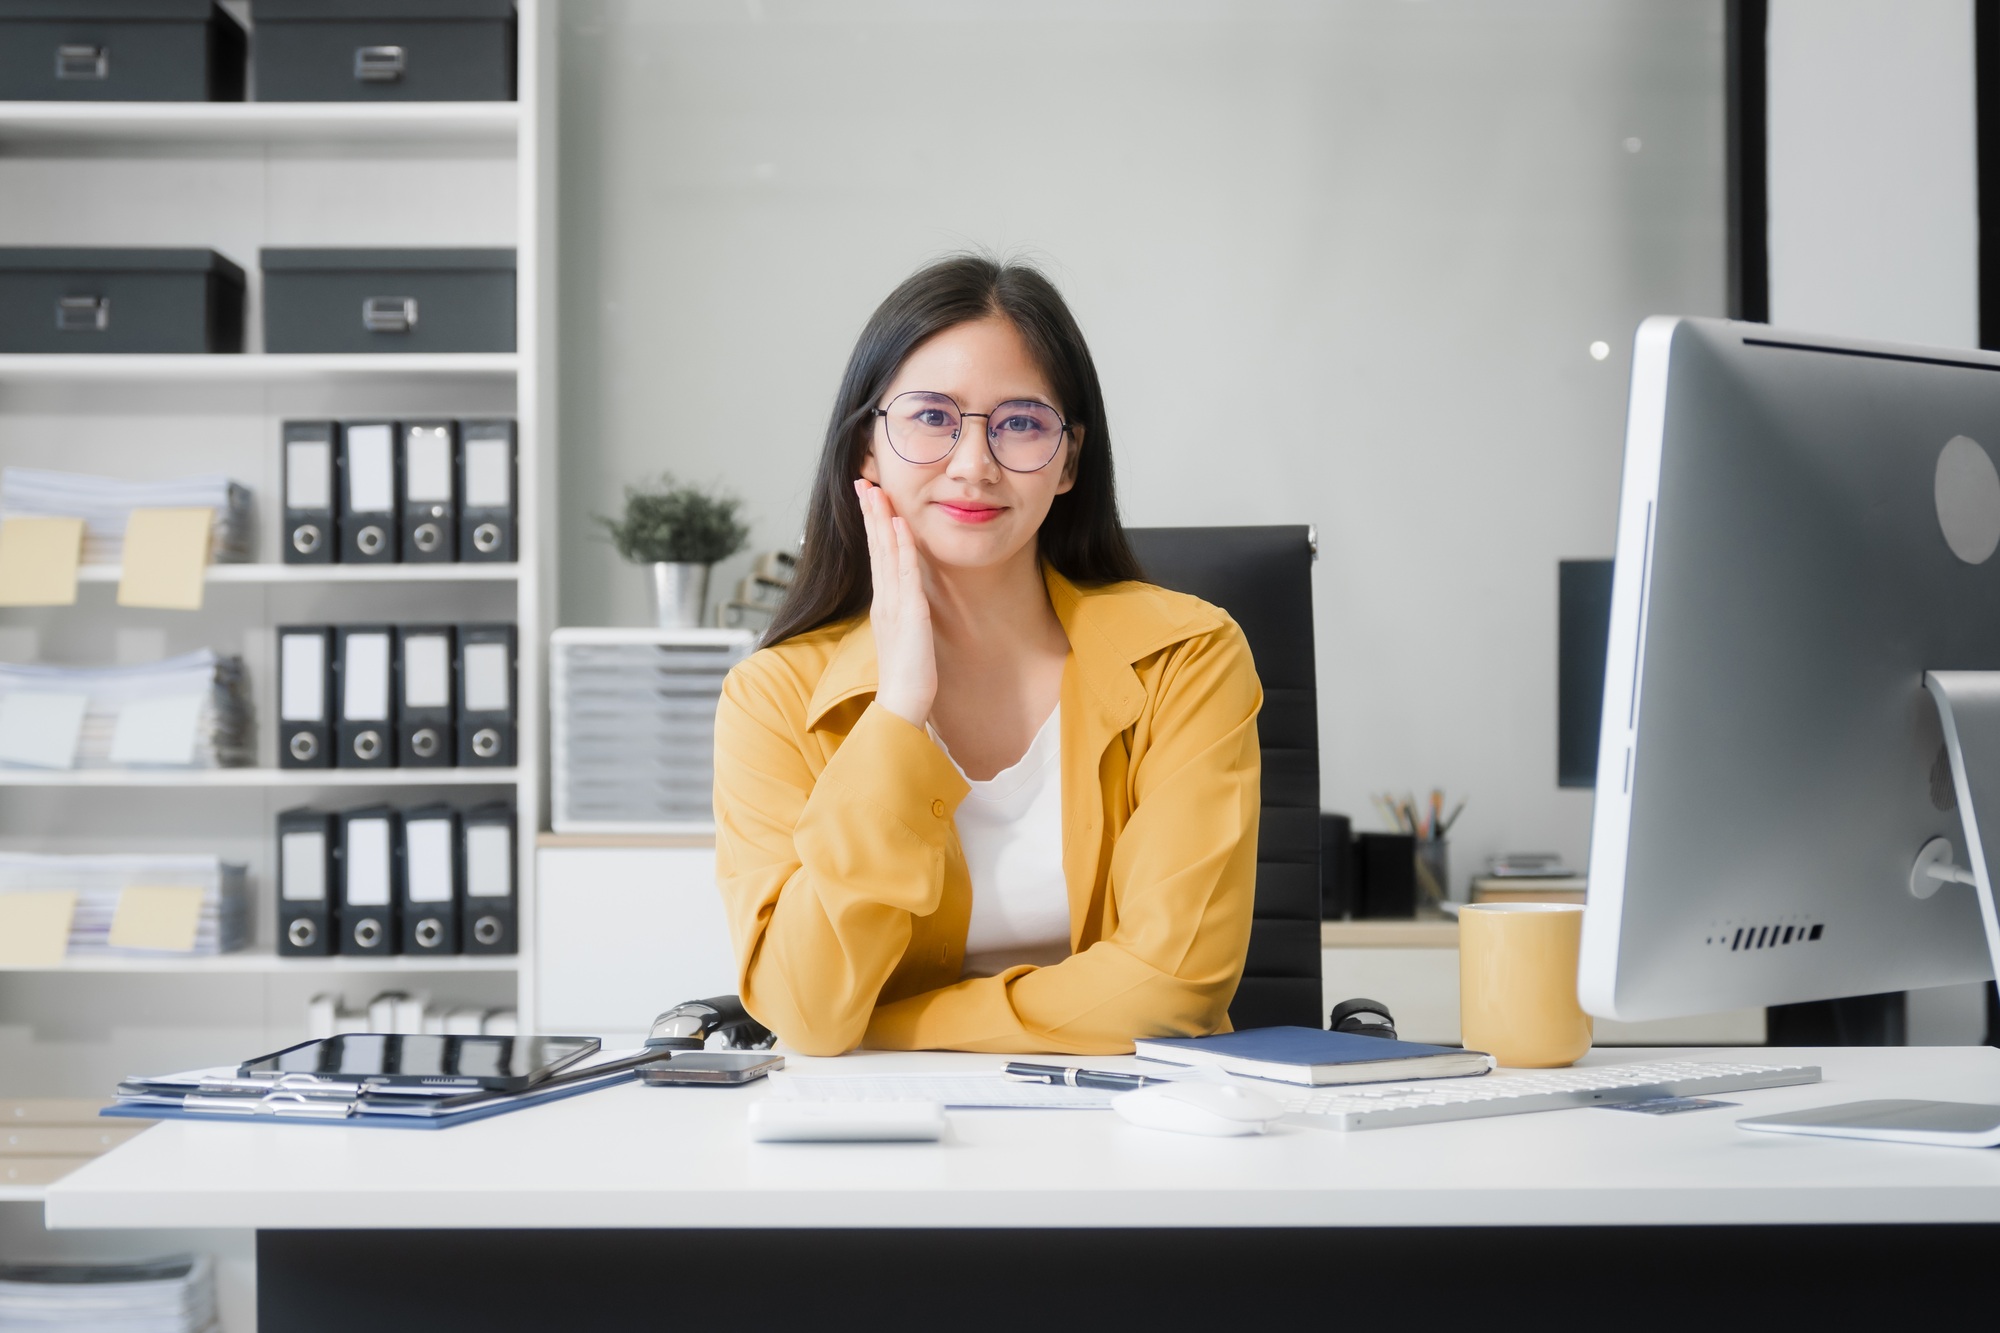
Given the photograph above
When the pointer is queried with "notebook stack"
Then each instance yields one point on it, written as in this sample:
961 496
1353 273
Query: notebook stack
98 881
105 503
191 711
633 727
175 1295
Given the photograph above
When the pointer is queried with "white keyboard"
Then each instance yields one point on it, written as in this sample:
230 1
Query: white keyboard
1373 1106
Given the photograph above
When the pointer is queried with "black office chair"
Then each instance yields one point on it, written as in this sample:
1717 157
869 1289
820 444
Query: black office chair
1263 578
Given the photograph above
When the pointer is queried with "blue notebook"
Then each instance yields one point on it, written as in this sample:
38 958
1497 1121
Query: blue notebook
1315 1057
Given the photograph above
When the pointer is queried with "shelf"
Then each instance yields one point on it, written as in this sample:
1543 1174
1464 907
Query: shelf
261 777
255 368
493 123
442 573
1422 933
23 1193
258 961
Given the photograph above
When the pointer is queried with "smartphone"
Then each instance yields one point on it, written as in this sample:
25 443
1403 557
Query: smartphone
710 1067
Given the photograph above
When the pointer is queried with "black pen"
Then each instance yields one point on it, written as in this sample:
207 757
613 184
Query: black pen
1066 1076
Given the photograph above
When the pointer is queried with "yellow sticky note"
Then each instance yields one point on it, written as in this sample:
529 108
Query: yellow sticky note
166 551
38 561
156 917
34 927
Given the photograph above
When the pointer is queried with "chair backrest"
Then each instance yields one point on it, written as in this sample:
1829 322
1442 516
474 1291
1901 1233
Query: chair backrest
1263 578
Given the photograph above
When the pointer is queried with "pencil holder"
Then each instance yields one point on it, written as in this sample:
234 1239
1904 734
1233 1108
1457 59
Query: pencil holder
1433 871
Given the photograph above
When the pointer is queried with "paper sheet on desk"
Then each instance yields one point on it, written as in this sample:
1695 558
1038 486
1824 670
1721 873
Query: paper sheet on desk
968 1091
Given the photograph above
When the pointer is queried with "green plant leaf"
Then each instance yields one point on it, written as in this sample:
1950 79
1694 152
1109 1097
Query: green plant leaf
677 524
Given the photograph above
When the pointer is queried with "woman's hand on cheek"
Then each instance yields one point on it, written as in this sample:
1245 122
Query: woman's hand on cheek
906 654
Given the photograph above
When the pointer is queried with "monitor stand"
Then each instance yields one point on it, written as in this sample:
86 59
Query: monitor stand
1968 704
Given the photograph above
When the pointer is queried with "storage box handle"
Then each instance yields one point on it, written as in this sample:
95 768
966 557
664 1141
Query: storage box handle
378 64
78 60
389 314
83 314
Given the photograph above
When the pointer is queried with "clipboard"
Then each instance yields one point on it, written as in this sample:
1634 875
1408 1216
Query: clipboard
298 1106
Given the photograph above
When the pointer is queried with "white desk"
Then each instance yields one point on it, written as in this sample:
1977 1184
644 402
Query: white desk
648 1207
634 1157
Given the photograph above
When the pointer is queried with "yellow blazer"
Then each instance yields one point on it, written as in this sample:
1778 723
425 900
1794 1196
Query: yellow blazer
846 890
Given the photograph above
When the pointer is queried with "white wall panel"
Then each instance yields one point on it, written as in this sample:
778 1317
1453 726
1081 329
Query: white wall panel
1339 263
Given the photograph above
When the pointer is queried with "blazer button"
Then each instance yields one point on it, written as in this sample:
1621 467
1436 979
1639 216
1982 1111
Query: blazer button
937 808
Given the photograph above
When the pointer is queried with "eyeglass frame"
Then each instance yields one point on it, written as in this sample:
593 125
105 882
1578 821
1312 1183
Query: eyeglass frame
1061 435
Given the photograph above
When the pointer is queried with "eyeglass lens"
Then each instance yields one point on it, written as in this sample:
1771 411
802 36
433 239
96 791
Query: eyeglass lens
923 427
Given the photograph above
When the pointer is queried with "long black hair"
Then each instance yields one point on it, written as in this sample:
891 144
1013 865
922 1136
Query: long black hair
1081 537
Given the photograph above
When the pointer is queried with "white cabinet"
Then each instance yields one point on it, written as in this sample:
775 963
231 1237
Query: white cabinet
624 932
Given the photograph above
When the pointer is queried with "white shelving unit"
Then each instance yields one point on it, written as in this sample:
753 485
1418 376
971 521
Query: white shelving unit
497 124
255 367
237 177
246 573
265 779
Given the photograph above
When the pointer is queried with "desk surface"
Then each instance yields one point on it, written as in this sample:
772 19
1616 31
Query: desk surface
676 1157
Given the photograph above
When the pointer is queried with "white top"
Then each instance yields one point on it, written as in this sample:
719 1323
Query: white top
1010 827
635 1156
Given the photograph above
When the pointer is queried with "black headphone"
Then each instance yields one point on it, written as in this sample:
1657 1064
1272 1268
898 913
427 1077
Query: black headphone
1364 1018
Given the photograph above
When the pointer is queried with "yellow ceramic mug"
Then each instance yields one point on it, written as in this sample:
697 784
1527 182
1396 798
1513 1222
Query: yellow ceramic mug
1517 983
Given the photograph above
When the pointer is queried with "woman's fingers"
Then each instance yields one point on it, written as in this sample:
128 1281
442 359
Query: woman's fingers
881 550
909 574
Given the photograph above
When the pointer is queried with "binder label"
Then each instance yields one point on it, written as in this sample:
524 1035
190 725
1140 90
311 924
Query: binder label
486 678
427 867
308 474
368 863
426 671
489 872
371 470
427 466
489 474
302 678
302 867
365 696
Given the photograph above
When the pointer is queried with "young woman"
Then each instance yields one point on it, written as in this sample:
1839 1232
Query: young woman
984 789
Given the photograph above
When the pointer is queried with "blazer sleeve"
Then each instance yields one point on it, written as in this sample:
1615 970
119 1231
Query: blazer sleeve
822 875
1182 876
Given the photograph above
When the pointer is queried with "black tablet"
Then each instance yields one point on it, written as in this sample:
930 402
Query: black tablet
387 1059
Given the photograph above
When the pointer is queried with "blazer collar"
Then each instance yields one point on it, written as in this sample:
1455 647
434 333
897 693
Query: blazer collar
1109 629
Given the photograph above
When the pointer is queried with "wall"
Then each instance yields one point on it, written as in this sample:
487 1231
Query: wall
1339 263
1874 222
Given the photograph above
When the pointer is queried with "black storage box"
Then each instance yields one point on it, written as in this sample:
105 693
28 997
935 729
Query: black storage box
388 300
117 300
119 51
384 50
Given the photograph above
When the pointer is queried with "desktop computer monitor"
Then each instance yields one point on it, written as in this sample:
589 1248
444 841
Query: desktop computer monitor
1806 529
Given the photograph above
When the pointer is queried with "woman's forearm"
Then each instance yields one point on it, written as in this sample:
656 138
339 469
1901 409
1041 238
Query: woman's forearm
824 875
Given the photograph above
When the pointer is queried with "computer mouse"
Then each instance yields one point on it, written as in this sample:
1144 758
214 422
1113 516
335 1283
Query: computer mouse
1217 1109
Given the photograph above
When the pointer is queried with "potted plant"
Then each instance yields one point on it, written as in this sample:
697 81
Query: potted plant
681 531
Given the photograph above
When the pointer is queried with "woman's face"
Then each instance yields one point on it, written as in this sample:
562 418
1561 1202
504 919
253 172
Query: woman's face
966 511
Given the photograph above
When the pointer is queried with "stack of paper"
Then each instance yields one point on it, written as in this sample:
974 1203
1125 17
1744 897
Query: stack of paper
105 503
191 711
137 904
634 726
174 1295
327 1015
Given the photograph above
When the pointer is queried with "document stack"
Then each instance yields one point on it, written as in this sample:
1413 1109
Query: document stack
105 503
327 1015
191 711
175 1295
633 726
100 882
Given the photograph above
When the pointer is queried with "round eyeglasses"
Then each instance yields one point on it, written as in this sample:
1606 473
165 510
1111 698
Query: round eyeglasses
1022 435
